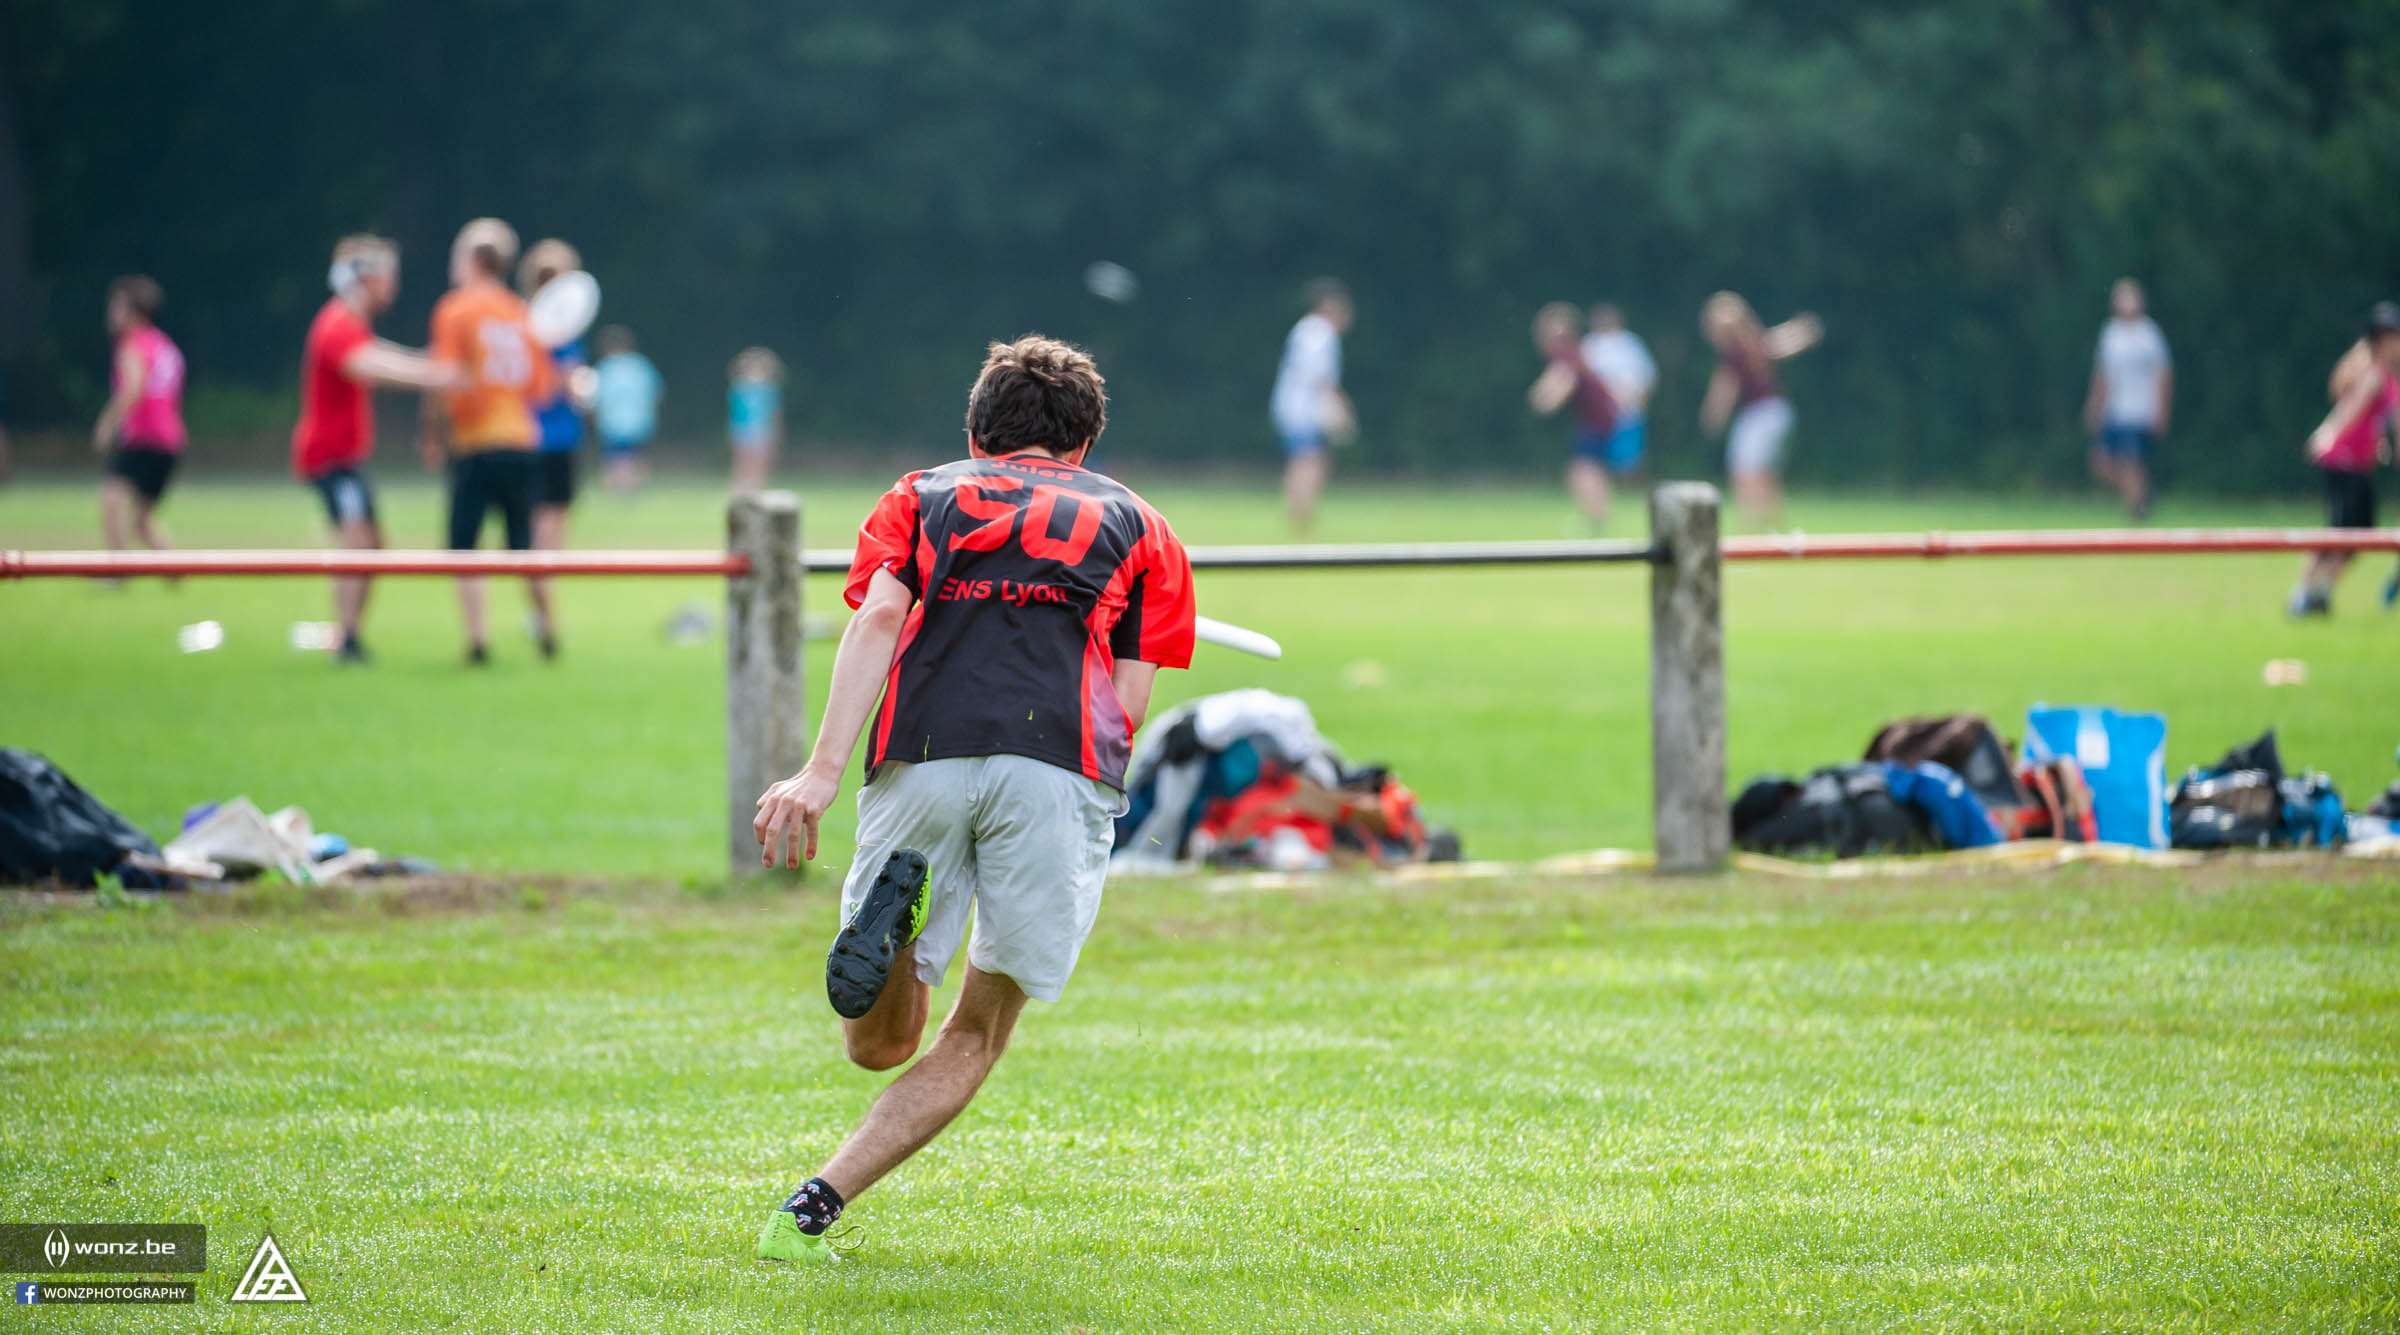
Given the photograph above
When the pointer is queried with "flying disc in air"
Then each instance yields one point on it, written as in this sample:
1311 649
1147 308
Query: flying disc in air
1111 281
1228 636
563 308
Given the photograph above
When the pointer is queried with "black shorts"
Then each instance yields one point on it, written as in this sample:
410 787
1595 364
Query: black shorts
346 495
144 469
2349 499
479 483
554 477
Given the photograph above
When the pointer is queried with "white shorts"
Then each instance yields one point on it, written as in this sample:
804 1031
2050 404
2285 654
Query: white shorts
1755 444
1023 843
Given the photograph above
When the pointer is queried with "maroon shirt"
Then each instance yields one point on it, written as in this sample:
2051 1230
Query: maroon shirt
1032 578
1595 407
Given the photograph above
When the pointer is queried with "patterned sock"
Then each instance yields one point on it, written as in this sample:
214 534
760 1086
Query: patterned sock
815 1205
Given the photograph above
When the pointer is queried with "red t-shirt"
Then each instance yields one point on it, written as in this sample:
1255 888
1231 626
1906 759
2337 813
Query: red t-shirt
337 425
2361 439
1032 578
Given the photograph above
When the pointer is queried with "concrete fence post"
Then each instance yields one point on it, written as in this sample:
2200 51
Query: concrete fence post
1691 822
766 706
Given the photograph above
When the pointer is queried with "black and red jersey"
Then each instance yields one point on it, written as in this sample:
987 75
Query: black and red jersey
1032 578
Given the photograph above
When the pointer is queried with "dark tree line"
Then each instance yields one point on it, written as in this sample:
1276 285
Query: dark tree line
875 192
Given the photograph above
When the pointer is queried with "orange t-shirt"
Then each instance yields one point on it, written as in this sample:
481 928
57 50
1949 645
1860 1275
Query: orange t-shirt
482 328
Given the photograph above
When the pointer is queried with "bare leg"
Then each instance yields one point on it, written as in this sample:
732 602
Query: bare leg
1759 495
116 512
913 1109
145 525
1588 483
470 608
1303 483
888 1034
751 468
350 591
2133 486
549 535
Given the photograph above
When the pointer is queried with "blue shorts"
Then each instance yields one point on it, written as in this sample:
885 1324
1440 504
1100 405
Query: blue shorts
2126 442
1620 451
1298 444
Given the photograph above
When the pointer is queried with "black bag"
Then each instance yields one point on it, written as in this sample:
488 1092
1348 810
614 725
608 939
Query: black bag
1847 811
52 830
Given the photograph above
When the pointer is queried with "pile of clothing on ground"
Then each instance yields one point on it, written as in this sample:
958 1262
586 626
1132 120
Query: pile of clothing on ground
2087 774
52 831
1244 779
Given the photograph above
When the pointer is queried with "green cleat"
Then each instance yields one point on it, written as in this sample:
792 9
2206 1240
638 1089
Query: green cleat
782 1240
888 919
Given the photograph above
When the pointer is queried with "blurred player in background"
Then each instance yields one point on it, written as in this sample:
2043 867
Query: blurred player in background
141 430
1013 611
480 334
1745 399
1566 378
1311 412
341 362
625 396
754 416
557 416
2346 447
1622 361
2131 398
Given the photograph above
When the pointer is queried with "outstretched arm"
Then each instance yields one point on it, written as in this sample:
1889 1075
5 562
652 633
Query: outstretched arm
789 811
1794 336
386 364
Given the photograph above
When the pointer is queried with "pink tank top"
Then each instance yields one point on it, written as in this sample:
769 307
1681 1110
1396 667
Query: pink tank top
2354 449
156 421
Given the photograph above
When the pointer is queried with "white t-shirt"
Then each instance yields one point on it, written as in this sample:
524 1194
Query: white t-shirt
2132 361
1311 370
1623 364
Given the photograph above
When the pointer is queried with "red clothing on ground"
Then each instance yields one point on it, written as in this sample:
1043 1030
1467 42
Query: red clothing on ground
1032 578
337 422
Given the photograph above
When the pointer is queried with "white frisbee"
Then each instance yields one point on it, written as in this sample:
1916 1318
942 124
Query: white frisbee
1227 636
563 308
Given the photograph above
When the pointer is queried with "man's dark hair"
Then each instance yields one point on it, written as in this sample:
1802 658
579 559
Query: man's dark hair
488 258
1321 290
1037 393
141 292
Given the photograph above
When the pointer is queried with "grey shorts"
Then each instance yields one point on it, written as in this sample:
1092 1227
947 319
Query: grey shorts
1022 843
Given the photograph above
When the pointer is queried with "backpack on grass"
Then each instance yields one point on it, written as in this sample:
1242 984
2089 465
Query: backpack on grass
52 830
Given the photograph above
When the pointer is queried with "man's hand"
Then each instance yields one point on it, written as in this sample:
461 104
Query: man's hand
789 812
429 451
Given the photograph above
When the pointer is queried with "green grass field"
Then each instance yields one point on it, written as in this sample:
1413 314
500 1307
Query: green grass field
2091 1102
559 1094
1515 702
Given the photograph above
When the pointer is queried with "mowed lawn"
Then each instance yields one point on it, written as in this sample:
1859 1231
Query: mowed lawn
1514 701
2095 1101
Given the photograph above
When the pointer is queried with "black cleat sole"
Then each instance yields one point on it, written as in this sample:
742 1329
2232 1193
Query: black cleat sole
860 964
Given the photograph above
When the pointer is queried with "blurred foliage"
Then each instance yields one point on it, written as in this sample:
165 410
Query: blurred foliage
875 192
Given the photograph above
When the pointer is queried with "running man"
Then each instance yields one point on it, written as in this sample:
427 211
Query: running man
480 335
141 430
1622 361
1745 400
754 416
2347 445
1311 411
2131 398
555 415
625 399
341 362
1013 610
1567 378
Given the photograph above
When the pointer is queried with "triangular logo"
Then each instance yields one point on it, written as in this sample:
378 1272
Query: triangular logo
269 1278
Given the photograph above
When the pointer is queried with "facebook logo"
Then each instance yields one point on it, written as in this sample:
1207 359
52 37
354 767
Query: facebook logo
29 1292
